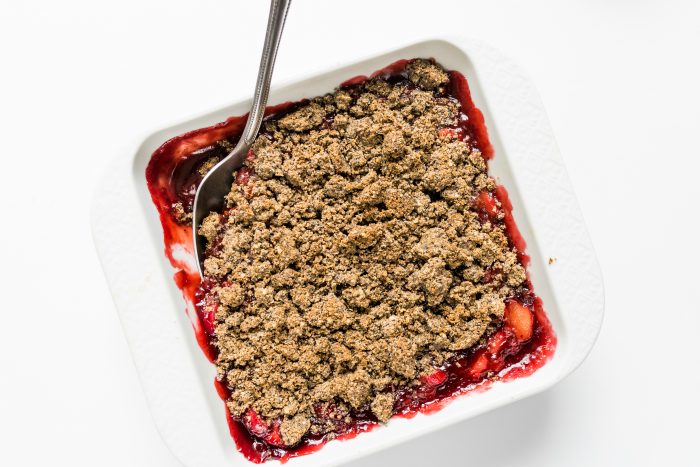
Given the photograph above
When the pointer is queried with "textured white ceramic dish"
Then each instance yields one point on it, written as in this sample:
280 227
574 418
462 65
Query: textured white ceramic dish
178 380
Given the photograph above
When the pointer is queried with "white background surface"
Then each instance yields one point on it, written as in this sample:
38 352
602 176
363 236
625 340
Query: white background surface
82 80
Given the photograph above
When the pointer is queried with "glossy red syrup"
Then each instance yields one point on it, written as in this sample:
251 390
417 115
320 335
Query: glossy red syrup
519 347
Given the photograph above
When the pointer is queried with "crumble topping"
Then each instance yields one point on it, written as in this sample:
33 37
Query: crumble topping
354 262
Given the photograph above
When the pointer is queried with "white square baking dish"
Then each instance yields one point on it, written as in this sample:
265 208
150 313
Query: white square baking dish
177 378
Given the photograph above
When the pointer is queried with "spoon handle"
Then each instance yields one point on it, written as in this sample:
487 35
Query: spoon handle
217 182
275 25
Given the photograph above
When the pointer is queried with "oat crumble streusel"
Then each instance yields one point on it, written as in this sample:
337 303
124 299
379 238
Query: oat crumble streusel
353 261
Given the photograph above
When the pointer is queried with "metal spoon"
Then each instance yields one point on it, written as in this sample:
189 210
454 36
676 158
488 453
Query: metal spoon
217 183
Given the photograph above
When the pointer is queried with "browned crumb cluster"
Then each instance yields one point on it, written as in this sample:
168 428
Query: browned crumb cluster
353 261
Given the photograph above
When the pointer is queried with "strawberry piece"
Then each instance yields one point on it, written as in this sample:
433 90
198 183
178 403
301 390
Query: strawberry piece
496 342
274 437
256 425
520 320
448 132
480 365
243 176
209 318
435 379
487 203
